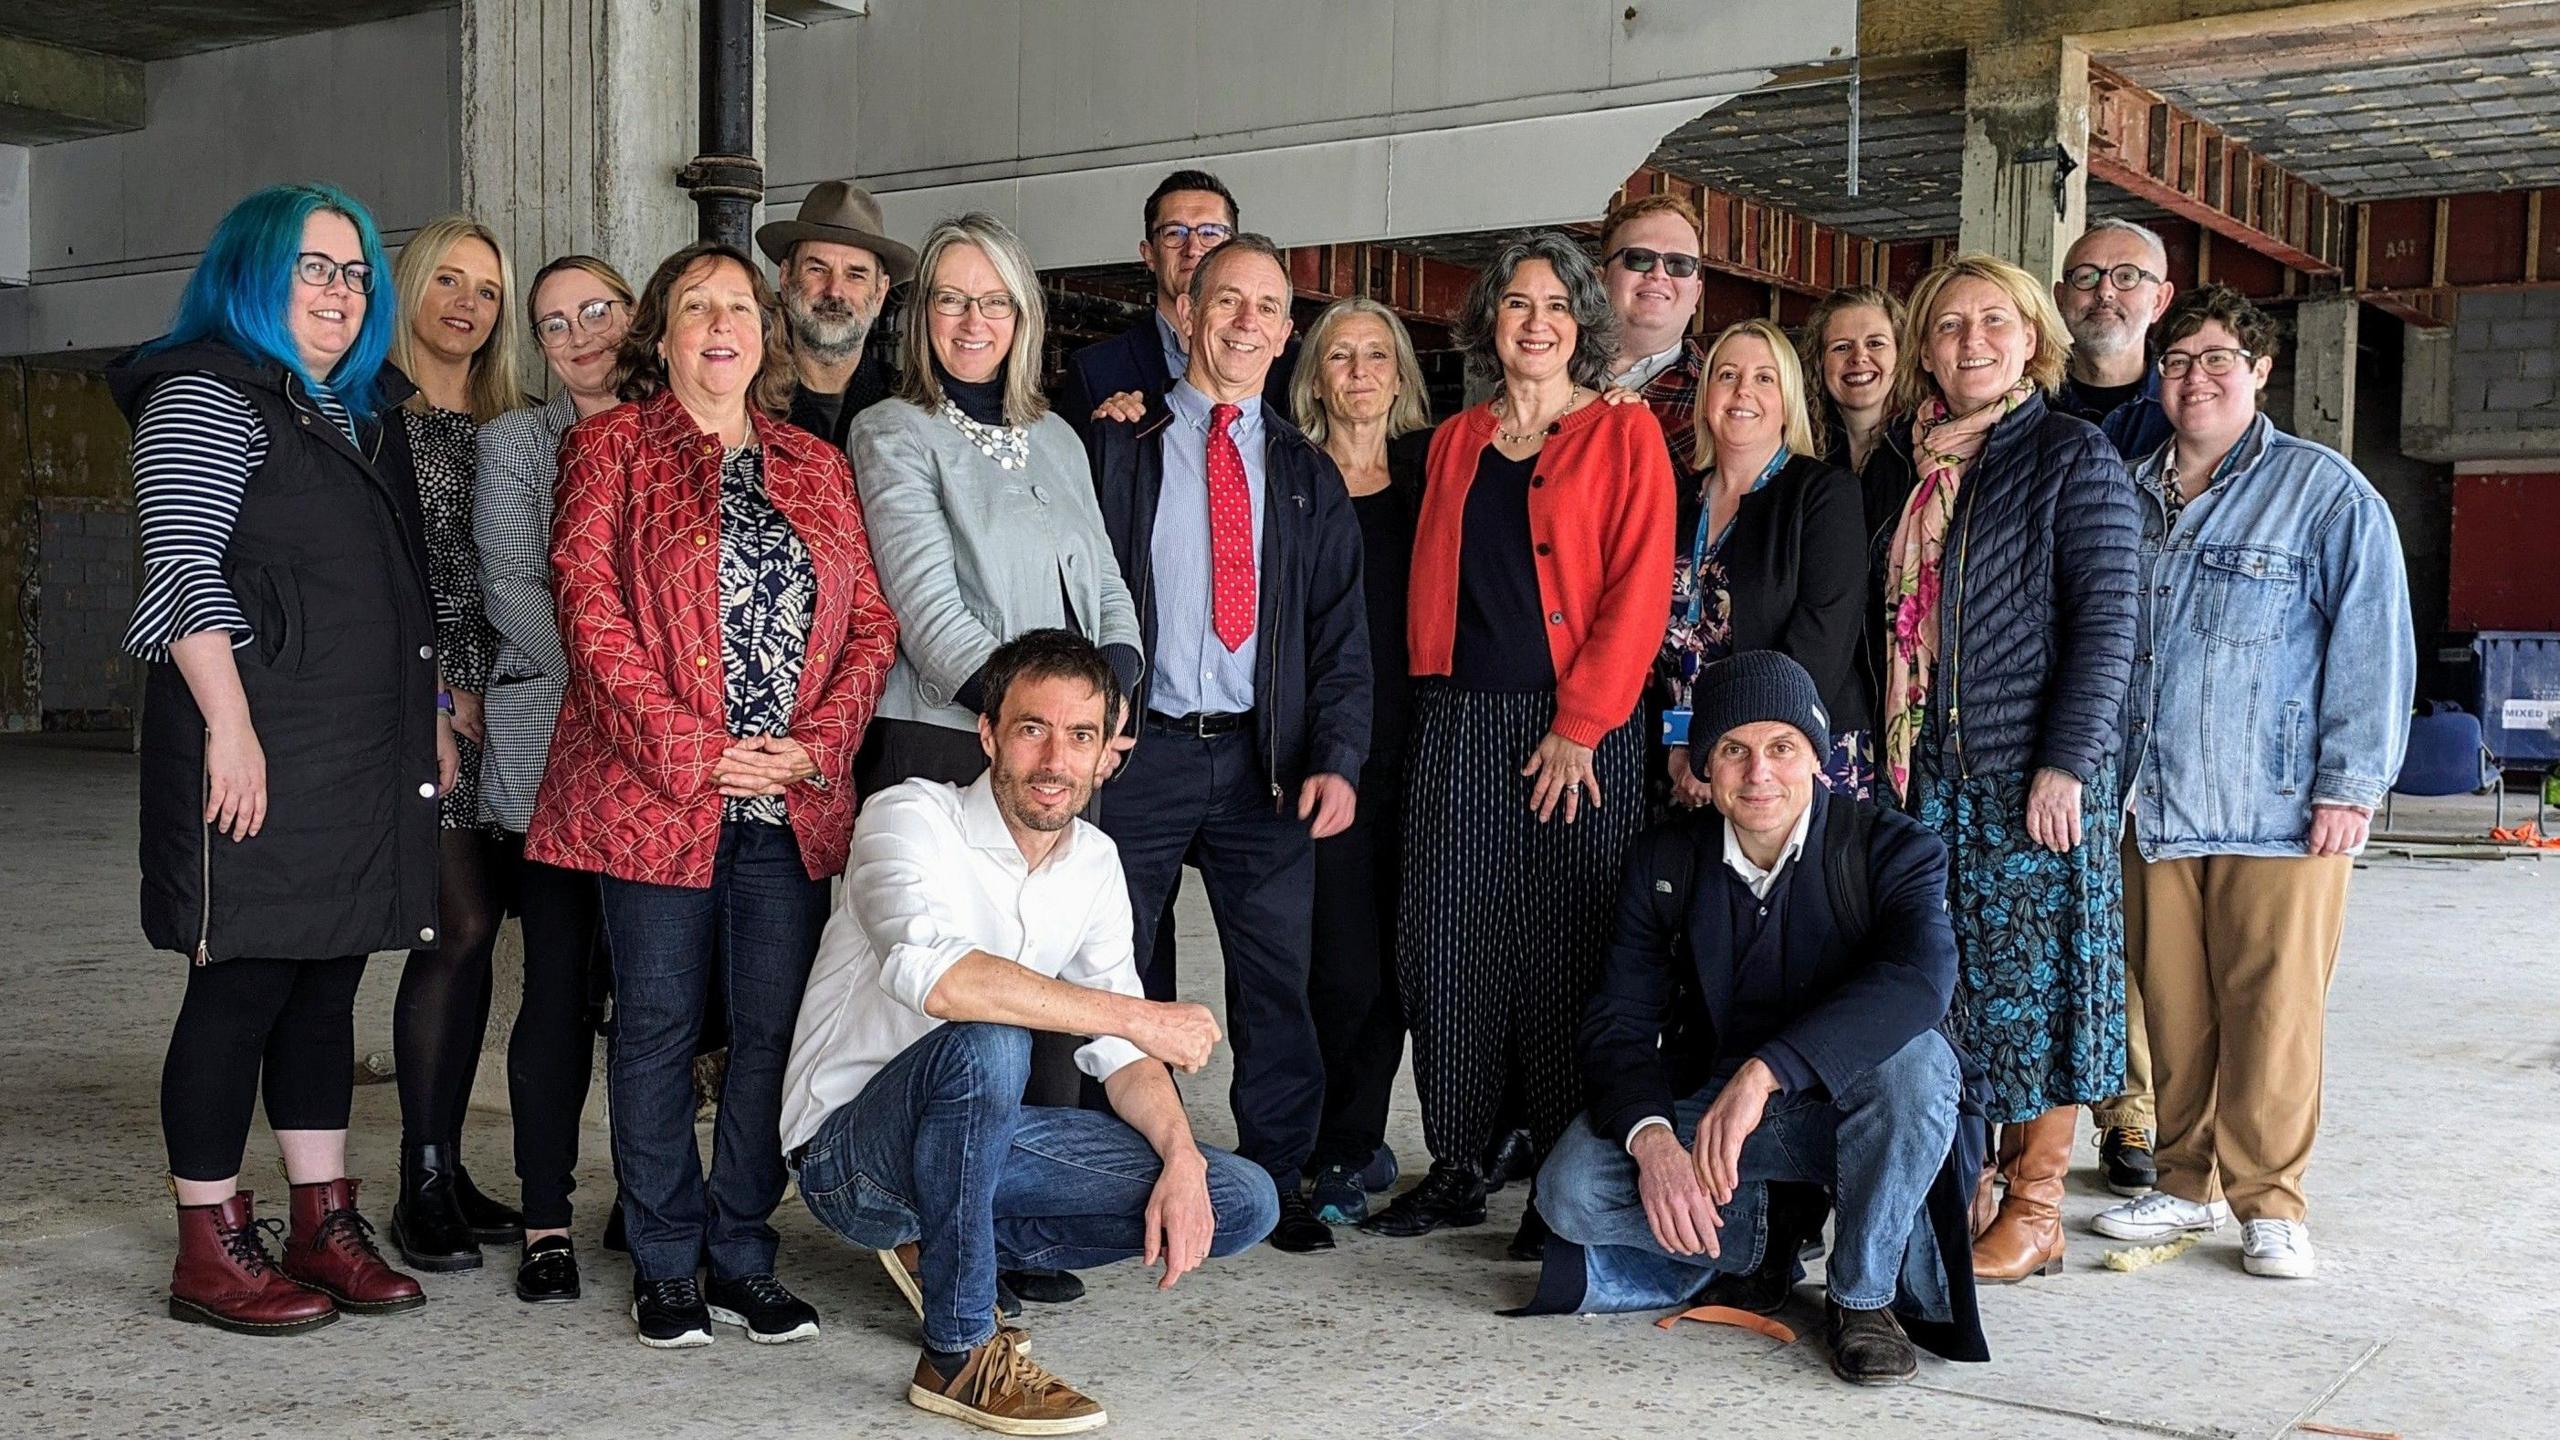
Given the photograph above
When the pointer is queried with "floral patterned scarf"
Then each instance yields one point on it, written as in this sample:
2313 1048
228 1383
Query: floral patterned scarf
1943 446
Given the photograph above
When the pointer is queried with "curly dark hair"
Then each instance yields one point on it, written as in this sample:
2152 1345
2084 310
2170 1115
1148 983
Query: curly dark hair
1049 654
641 373
1595 345
2206 304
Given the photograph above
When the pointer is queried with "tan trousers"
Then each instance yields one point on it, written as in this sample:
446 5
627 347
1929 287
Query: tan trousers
2235 955
2135 1108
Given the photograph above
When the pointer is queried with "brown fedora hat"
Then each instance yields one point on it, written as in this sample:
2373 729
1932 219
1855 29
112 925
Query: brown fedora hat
843 213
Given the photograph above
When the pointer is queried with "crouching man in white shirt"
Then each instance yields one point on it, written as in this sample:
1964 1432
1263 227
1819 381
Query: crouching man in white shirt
969 919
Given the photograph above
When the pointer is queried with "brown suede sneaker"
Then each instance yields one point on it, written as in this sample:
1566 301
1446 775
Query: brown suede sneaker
1000 1389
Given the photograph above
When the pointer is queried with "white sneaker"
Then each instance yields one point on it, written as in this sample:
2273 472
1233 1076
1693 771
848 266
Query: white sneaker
2278 1249
2158 1216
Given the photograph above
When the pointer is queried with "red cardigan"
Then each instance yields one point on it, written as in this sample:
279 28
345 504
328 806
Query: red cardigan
1600 513
635 562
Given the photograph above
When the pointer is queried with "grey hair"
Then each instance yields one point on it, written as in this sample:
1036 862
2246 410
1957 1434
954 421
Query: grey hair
2144 233
1595 345
1023 402
1246 242
1411 409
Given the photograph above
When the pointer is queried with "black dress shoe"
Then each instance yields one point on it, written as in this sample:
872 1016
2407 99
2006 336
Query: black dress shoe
1529 1242
1448 1196
491 1223
1513 1157
2124 1155
1042 1287
1299 1231
1869 1348
548 1272
616 1238
1796 1212
426 1222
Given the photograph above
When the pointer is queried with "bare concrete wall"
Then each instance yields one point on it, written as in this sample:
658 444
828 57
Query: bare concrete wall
63 453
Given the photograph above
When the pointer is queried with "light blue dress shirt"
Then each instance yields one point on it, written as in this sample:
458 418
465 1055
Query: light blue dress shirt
1193 669
1177 353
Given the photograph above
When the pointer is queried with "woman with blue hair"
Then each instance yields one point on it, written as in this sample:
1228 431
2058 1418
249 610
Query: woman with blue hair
290 734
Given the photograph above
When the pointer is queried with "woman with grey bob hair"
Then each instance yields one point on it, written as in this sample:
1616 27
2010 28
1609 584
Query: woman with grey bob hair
1025 320
1595 346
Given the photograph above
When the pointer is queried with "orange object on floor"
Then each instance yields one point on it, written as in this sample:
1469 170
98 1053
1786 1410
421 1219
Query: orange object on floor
1738 1319
2527 834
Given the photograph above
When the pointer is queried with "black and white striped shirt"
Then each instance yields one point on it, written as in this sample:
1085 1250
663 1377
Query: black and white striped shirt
195 445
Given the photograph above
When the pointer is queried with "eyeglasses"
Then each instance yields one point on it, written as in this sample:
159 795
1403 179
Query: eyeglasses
1174 232
1641 261
320 272
994 305
2122 277
590 318
2220 360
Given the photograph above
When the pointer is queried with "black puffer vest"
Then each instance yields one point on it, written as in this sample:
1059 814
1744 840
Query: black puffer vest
328 563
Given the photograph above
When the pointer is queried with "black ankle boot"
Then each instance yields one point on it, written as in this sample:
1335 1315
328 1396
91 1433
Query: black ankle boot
1796 1213
427 1226
1447 1197
491 1223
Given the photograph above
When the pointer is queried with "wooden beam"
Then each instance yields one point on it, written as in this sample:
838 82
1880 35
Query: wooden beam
2146 146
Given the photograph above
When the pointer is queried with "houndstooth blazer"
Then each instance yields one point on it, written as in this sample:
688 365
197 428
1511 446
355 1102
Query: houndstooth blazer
511 525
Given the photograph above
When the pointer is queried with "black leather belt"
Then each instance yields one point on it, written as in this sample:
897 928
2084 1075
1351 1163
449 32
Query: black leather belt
1200 723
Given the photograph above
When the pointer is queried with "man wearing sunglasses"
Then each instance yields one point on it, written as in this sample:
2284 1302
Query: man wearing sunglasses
1189 214
1649 248
2114 288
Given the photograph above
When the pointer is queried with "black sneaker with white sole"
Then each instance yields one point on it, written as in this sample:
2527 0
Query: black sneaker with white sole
669 1314
771 1314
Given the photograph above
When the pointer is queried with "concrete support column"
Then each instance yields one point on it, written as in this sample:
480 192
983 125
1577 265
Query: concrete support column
576 115
2026 143
2324 372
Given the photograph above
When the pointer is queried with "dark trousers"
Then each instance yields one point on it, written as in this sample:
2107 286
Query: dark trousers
751 933
286 1024
1351 978
551 1050
1503 920
1178 798
899 750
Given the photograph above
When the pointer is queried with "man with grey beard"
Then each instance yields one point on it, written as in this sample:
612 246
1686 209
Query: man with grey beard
836 268
2114 287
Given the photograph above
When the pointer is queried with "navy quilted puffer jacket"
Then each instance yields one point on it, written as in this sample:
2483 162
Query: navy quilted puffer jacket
2038 631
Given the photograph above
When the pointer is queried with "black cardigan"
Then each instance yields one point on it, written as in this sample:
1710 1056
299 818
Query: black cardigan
1796 567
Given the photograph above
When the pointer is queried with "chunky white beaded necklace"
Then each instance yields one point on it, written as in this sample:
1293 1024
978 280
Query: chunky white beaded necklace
1007 445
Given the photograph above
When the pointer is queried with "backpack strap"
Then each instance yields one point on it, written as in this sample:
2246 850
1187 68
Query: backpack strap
1675 877
1847 835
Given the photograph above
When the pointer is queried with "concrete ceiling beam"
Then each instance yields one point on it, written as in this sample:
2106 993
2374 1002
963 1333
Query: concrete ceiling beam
50 92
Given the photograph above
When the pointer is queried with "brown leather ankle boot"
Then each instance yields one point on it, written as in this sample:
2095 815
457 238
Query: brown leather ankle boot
225 1278
332 1252
2026 1238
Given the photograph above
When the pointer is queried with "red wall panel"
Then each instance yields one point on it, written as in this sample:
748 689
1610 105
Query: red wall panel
2506 552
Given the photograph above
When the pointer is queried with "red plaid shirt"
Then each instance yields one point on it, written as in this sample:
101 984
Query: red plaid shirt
1673 397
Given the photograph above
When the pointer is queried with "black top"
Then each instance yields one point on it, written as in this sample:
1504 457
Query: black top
1767 991
829 416
2099 399
1502 628
1387 520
980 400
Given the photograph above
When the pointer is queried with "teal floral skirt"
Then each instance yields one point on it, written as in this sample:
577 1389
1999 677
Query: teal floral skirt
2039 938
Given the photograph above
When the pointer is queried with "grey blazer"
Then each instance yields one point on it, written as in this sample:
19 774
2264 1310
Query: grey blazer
511 525
972 554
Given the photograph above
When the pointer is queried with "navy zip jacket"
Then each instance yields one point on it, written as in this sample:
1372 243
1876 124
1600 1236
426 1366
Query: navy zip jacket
1311 683
1134 360
1650 1031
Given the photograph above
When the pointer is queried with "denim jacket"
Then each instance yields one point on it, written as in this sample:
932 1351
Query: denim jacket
2275 659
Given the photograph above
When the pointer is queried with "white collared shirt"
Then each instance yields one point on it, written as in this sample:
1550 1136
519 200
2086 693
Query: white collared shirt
1641 373
1759 880
935 874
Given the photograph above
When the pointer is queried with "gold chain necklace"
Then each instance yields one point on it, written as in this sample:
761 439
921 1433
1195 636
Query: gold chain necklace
1572 403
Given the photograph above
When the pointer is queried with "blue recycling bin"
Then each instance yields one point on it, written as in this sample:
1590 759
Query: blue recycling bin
2519 699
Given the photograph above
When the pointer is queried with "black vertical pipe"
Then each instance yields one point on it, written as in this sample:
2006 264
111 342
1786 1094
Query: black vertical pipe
726 179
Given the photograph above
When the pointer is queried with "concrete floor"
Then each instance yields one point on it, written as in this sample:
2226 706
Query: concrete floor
2433 1314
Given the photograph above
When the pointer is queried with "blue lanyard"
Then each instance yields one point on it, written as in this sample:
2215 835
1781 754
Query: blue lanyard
1701 550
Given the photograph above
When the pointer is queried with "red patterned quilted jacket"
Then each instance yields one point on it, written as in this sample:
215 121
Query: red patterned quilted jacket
635 560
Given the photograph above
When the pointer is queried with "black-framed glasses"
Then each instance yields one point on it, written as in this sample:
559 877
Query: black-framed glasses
994 305
319 272
2122 277
591 319
1174 232
1641 261
2219 360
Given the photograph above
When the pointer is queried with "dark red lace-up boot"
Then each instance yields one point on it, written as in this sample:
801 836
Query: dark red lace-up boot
332 1252
224 1276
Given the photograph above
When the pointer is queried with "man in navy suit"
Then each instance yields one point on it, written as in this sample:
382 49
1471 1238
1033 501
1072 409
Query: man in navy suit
1189 214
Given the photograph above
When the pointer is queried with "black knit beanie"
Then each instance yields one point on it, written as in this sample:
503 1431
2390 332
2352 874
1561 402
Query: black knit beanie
1746 689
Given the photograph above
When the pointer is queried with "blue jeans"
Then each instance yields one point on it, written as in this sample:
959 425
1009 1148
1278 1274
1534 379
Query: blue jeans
939 1149
1877 1146
753 931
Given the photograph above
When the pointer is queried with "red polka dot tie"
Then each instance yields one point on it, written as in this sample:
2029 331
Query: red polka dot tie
1230 533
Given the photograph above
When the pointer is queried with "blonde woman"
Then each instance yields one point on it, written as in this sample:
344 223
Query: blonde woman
1358 394
2006 651
1771 554
455 339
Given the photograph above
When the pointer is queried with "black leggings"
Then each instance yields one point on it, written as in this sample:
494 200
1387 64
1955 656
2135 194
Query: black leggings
288 1023
551 1051
443 1005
